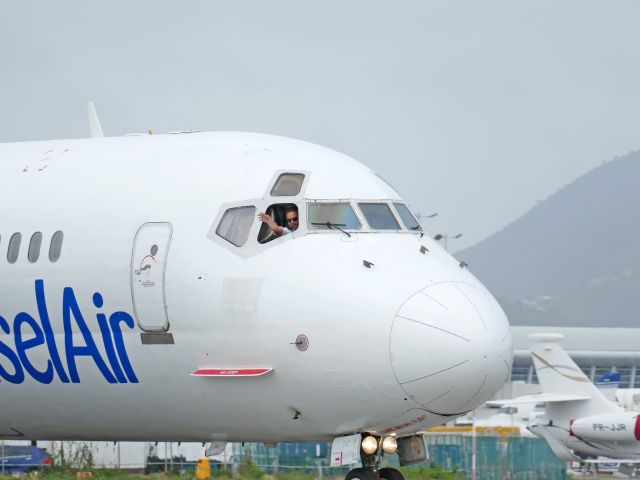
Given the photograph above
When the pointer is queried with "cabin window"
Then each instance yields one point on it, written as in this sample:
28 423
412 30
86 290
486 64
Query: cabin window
34 247
278 213
379 216
407 217
327 216
235 225
56 246
14 247
287 185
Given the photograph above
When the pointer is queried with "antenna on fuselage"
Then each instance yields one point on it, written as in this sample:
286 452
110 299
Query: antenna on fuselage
94 122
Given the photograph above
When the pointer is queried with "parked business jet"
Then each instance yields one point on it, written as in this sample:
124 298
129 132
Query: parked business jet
580 423
142 299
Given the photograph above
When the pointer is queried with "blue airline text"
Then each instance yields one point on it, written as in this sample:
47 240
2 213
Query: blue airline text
29 333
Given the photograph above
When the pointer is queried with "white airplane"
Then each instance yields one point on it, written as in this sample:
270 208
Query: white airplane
579 422
141 299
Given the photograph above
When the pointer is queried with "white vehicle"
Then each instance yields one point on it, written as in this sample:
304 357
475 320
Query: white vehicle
141 299
580 423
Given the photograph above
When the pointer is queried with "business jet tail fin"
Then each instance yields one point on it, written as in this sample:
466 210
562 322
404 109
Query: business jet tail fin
556 371
559 374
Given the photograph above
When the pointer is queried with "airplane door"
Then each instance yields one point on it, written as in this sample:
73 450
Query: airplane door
148 265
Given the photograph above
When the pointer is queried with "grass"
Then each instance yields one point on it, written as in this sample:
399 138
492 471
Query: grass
247 471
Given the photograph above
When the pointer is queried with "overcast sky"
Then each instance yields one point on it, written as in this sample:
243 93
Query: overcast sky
472 109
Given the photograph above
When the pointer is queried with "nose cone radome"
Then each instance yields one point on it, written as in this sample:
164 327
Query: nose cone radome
451 347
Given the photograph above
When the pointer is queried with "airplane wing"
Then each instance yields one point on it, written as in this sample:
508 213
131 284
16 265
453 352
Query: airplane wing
537 398
558 448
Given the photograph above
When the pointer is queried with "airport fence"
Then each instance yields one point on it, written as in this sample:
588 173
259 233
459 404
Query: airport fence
497 458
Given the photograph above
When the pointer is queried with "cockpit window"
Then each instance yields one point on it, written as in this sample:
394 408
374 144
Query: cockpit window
379 216
327 216
407 217
287 185
283 217
235 224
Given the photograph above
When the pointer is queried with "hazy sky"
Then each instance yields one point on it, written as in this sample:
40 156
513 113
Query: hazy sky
473 109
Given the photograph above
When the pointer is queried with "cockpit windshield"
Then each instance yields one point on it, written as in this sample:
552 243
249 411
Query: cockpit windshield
238 221
379 216
407 217
323 215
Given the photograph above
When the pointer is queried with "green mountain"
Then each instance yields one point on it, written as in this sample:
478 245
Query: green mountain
574 259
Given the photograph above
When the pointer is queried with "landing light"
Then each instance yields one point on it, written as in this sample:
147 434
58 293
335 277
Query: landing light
389 444
369 445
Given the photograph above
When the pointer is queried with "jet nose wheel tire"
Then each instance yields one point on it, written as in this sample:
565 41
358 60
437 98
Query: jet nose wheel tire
362 474
367 474
390 474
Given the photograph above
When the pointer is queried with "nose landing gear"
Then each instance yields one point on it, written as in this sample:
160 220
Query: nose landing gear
370 474
390 474
361 474
372 450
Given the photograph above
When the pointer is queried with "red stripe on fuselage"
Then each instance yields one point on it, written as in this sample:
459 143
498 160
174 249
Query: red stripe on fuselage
230 372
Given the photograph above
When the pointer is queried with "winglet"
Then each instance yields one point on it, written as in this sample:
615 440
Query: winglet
94 122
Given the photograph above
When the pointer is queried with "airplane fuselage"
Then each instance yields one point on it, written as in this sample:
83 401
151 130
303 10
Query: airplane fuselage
152 325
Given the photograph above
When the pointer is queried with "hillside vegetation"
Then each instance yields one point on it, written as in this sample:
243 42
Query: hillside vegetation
574 259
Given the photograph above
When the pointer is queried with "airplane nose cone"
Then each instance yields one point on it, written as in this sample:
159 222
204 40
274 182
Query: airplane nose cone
451 347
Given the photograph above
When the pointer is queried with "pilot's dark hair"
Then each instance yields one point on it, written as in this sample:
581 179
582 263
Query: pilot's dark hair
291 208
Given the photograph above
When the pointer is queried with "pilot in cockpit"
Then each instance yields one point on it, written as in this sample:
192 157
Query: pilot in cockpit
291 217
